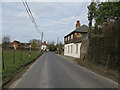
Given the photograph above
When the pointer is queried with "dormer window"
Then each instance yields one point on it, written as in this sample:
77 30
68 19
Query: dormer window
68 37
72 36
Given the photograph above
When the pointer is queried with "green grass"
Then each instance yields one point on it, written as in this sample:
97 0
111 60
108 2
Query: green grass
10 67
0 67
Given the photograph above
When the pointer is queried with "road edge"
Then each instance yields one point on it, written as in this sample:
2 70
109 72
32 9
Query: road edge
22 70
62 56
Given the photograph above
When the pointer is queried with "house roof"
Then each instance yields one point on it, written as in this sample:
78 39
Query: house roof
16 41
82 29
25 43
44 43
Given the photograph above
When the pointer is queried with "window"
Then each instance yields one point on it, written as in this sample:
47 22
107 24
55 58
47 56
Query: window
76 48
71 48
65 49
72 36
68 37
68 48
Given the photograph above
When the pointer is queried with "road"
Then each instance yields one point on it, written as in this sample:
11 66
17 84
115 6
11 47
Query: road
53 71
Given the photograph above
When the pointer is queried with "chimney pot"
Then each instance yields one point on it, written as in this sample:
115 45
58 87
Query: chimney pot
78 24
78 21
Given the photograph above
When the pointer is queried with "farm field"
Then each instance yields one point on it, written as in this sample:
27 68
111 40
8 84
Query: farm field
13 61
0 66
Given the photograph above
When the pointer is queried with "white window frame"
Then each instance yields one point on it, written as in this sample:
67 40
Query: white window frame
68 37
71 48
76 48
71 36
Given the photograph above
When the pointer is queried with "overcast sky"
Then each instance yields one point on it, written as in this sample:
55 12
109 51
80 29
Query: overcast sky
54 19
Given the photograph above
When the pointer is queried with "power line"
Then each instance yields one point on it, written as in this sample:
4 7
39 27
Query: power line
30 14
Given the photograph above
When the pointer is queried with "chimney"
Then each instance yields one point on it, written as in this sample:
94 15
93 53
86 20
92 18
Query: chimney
78 24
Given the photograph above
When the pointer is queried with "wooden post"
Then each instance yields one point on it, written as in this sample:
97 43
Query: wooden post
41 41
21 54
107 64
3 66
14 56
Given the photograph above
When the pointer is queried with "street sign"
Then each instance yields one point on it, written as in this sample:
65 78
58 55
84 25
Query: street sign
14 47
29 50
30 46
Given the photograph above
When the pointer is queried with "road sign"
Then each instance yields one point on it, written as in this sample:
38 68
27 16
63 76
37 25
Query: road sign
14 47
30 46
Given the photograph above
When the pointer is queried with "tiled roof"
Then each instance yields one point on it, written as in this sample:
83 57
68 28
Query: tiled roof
16 41
82 28
44 43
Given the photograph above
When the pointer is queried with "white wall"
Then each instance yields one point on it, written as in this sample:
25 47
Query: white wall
44 47
73 53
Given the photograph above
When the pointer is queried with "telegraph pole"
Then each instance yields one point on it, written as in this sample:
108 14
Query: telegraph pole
57 40
41 39
57 45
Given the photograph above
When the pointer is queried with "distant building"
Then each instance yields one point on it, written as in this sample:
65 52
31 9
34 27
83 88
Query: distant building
15 44
72 41
44 46
25 45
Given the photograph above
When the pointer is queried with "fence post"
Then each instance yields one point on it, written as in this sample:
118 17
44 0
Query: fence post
21 54
30 51
3 66
14 56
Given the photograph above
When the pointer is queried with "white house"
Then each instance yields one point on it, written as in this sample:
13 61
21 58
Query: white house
73 41
44 46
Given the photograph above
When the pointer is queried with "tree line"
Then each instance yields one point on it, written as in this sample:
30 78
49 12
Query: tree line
104 36
35 43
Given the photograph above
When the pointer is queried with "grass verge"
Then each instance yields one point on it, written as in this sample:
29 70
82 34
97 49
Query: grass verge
12 68
103 71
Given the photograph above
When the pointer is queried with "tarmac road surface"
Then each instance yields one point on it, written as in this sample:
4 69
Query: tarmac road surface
53 71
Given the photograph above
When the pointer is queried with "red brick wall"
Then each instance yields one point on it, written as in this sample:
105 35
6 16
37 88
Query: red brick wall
14 43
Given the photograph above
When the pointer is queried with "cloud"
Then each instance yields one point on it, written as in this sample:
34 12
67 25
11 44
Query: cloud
49 0
23 14
54 19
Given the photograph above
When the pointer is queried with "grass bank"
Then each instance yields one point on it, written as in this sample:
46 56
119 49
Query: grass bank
103 71
21 59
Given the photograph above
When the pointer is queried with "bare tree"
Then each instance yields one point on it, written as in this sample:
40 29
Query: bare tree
51 43
5 41
37 41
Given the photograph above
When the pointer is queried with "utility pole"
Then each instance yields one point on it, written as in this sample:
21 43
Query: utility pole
57 45
57 40
41 39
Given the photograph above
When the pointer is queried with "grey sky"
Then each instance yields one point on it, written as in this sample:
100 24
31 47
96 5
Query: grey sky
54 19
